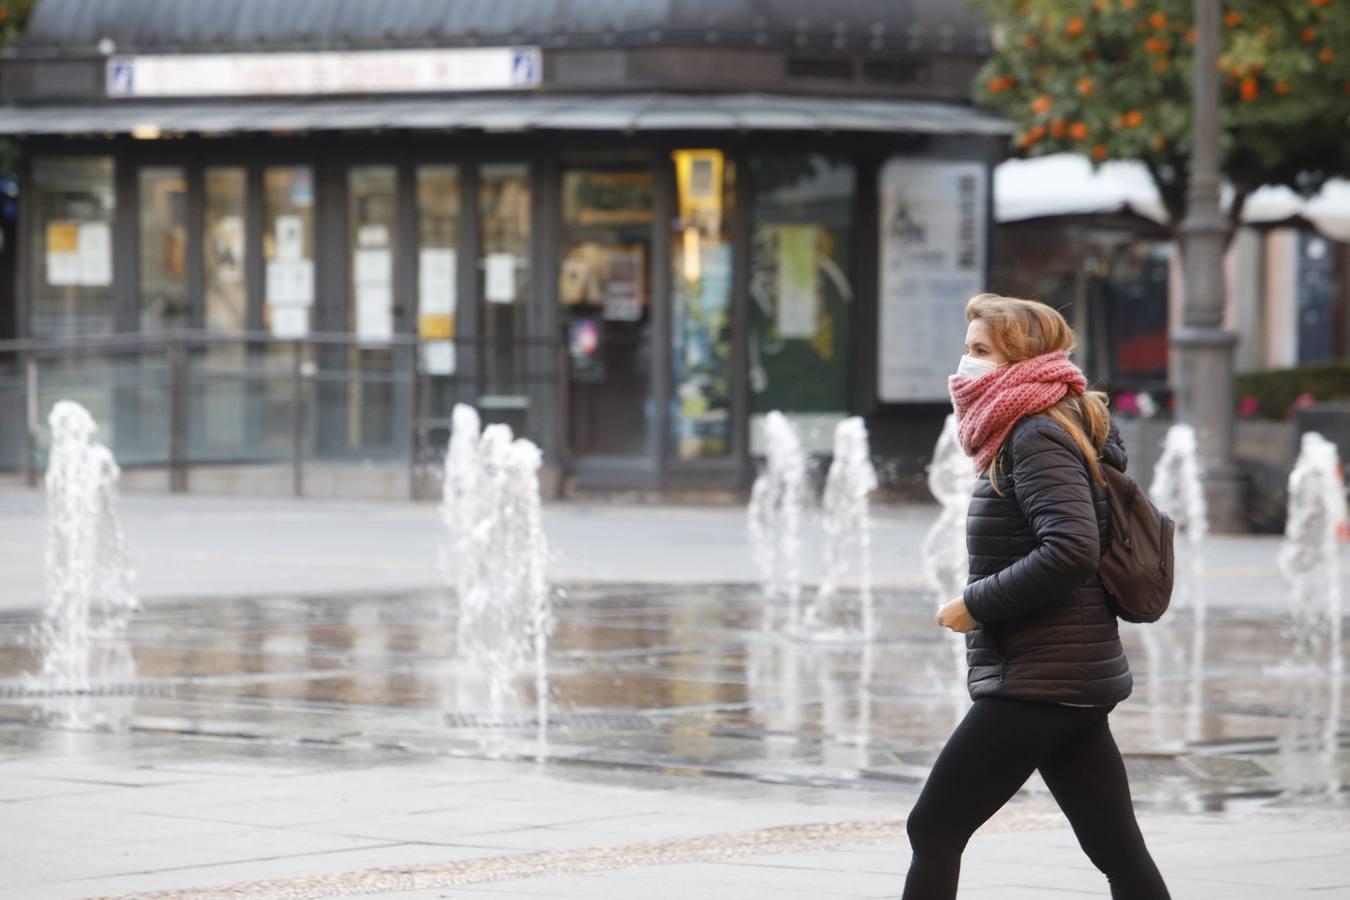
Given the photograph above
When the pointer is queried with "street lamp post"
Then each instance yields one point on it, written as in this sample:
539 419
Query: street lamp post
1204 349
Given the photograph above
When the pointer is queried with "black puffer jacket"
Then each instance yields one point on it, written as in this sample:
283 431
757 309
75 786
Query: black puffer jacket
1045 631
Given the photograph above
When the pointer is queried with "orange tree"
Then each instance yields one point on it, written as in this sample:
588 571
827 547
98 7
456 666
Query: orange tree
1111 79
13 17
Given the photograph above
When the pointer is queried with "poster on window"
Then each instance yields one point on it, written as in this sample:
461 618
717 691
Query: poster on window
79 254
290 237
932 258
95 254
289 321
63 260
290 282
798 300
501 278
623 285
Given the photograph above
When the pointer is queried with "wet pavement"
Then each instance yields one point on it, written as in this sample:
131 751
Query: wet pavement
327 744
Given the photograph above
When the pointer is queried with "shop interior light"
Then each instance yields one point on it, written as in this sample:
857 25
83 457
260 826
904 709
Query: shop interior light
145 131
692 259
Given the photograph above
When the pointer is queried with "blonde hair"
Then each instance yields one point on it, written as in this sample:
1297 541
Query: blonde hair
1021 329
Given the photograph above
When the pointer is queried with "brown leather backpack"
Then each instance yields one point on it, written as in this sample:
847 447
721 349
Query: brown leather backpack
1136 569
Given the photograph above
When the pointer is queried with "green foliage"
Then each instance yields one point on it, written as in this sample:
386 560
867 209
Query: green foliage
13 19
1111 79
1277 390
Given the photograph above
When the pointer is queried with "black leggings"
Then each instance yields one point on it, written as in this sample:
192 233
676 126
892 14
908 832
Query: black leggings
990 755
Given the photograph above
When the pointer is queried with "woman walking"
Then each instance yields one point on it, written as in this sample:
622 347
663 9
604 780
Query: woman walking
1045 662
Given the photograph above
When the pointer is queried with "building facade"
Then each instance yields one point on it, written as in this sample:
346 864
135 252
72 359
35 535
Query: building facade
628 230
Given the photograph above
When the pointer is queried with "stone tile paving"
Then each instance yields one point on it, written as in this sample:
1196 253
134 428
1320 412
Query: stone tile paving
321 741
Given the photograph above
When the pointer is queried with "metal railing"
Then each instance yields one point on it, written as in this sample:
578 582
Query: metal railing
187 399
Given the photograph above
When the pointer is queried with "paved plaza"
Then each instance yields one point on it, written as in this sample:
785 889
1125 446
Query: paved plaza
296 725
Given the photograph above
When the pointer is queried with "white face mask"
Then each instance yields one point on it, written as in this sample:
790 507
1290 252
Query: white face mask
971 367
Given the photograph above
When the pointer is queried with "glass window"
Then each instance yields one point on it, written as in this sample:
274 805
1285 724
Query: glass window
800 294
72 263
224 250
288 250
437 241
163 233
503 278
604 287
701 259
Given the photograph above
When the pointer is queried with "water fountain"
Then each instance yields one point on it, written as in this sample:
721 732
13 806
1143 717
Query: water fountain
943 556
1310 560
775 517
847 523
461 500
495 554
1178 490
90 596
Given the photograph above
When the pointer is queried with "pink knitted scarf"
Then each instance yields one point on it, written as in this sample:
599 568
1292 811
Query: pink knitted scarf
989 406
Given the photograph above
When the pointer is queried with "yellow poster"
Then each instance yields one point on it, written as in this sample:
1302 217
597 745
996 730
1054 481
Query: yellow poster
63 237
436 326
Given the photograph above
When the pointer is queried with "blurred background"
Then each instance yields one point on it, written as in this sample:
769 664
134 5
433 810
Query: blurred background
270 245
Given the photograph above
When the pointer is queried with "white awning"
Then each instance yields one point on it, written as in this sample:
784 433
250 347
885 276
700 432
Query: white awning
502 112
1067 185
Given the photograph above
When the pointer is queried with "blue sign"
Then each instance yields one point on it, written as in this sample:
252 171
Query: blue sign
121 78
525 68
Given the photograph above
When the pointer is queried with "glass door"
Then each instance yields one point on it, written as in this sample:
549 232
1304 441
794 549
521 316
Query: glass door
604 287
374 382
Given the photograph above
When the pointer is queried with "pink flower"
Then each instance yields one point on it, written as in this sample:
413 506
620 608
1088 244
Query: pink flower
1304 400
1249 406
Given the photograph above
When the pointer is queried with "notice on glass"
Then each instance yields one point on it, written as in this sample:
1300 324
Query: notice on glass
436 296
798 301
374 267
63 260
290 321
79 253
436 281
501 278
374 316
438 357
623 288
290 237
225 249
372 236
290 282
932 257
95 254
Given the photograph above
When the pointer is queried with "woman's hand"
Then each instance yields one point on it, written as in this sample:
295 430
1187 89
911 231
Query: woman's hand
954 615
